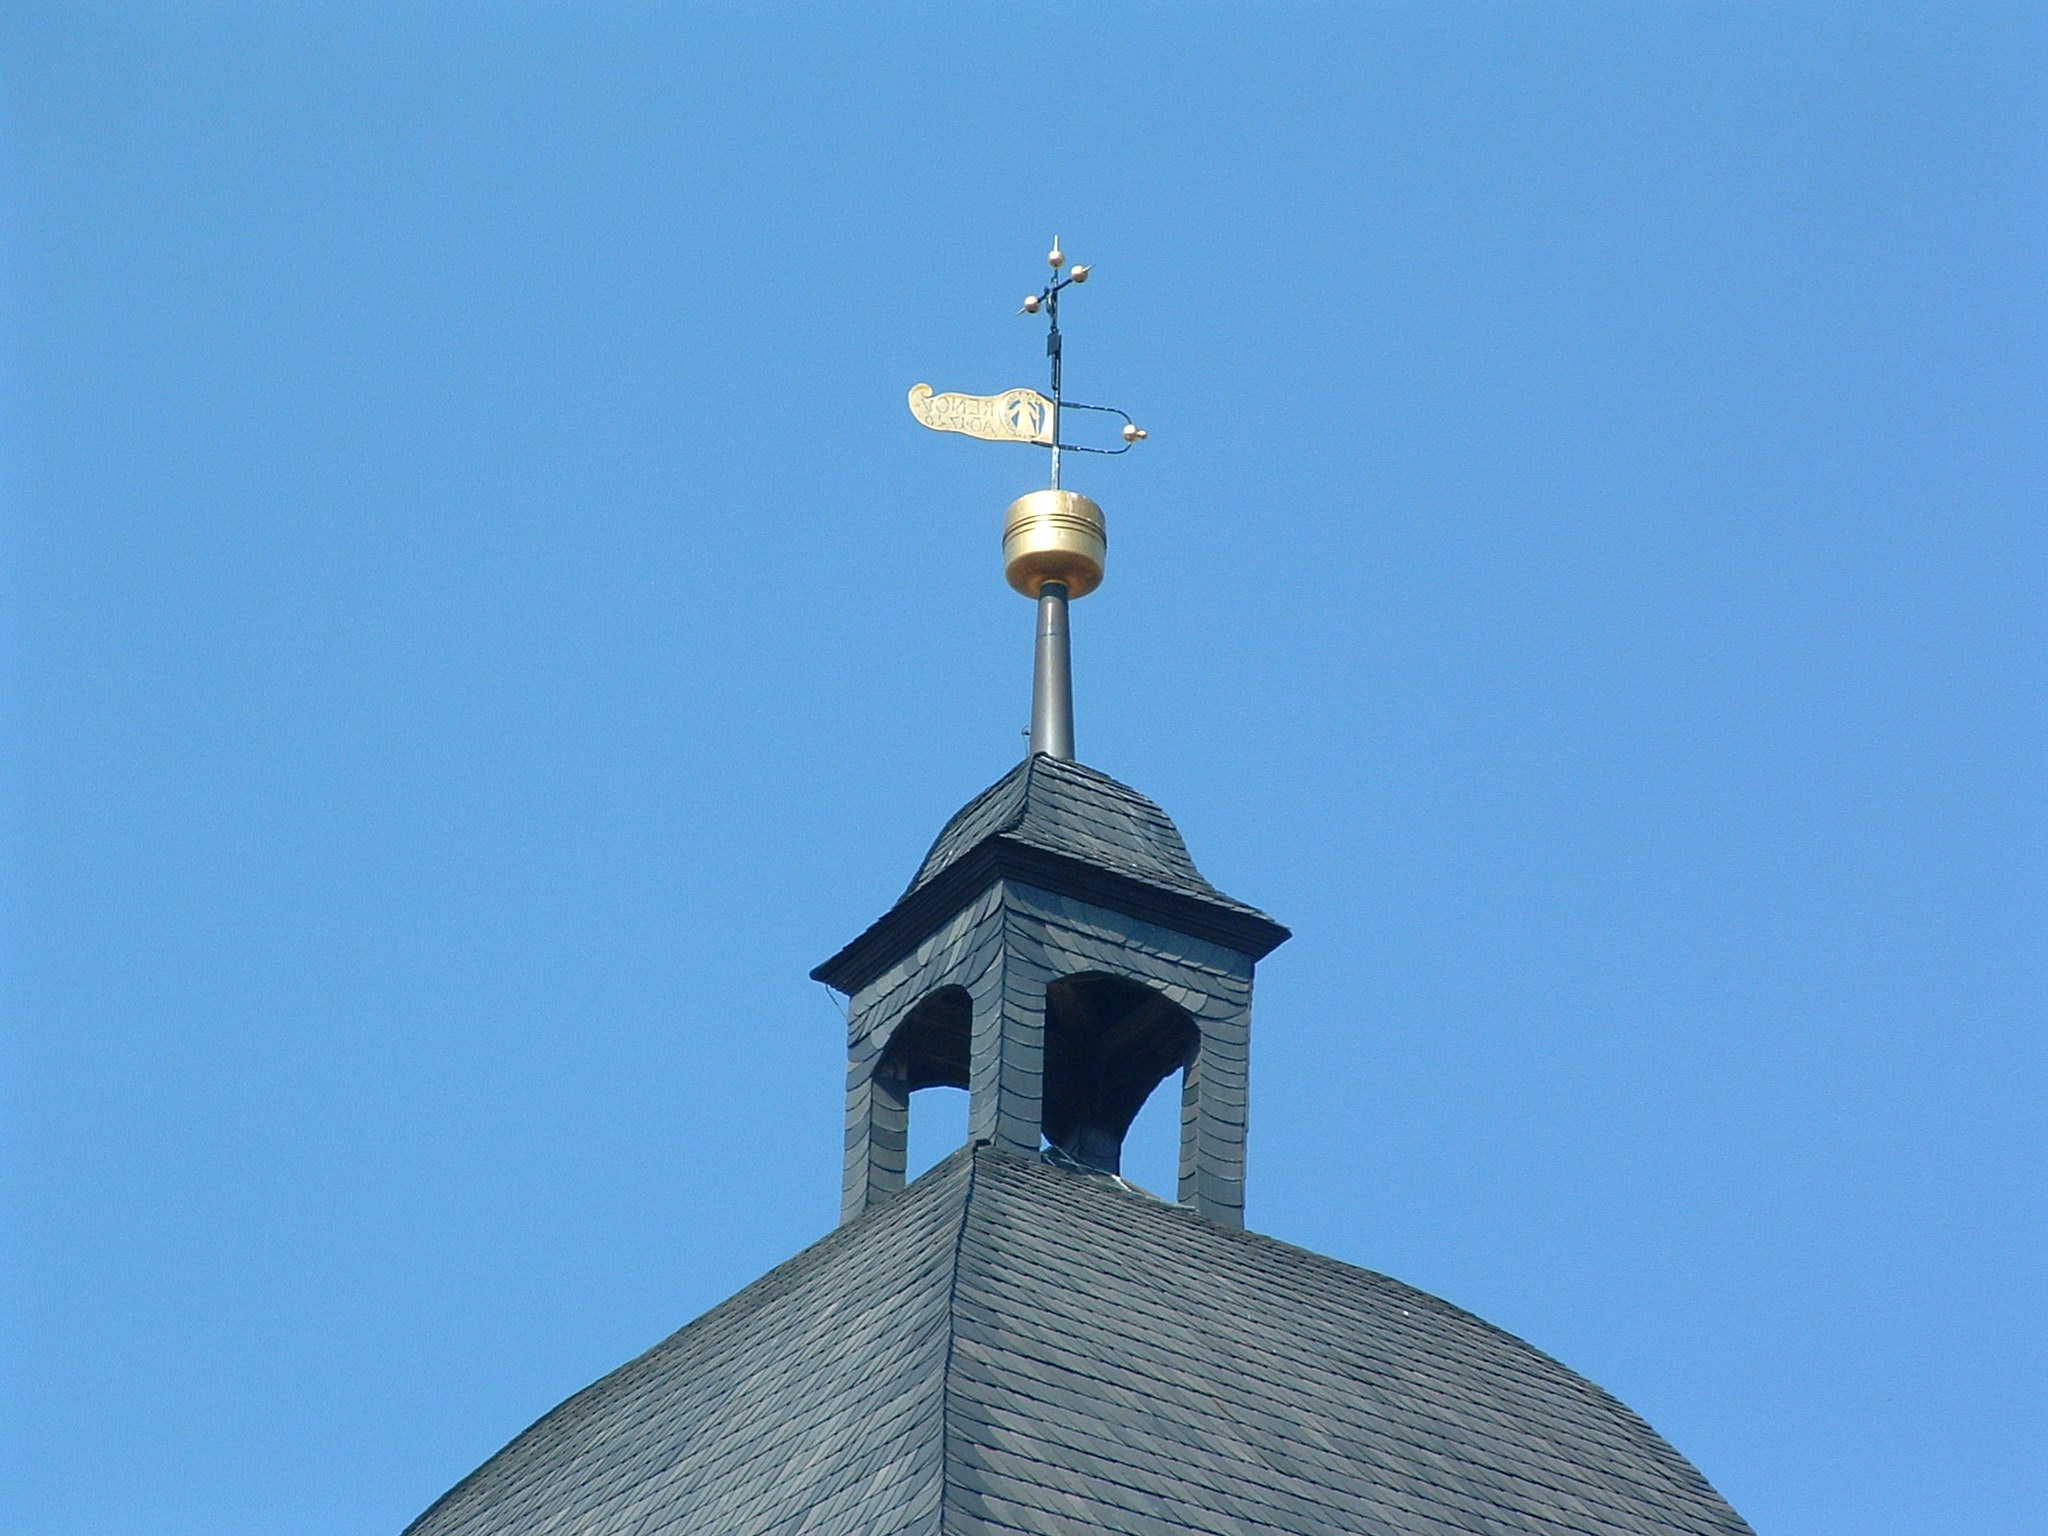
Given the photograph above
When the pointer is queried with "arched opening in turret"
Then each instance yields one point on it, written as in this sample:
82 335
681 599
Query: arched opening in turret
930 1050
1109 1042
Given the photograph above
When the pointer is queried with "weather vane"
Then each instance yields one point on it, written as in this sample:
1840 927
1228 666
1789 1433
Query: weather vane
1024 415
1054 541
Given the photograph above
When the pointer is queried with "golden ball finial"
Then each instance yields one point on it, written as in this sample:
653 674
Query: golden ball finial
1055 258
1031 303
1054 536
1081 274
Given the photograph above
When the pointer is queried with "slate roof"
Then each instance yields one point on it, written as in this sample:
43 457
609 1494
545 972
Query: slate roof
1010 1347
1074 830
1067 807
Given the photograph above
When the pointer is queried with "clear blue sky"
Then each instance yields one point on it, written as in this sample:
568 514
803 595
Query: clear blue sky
482 624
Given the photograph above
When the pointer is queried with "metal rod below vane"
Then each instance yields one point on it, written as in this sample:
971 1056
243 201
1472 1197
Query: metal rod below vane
1052 677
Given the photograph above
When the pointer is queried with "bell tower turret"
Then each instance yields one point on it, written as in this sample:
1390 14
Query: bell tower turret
1058 955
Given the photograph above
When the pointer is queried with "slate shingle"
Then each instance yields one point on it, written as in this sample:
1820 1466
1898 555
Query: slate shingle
1071 809
1070 832
1009 1346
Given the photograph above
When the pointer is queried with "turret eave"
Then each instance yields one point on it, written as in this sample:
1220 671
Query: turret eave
1069 829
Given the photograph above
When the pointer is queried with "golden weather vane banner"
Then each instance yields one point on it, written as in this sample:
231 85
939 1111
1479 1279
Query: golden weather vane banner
1014 416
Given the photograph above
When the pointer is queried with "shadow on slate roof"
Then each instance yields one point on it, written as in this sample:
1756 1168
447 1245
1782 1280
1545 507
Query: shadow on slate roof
1009 1347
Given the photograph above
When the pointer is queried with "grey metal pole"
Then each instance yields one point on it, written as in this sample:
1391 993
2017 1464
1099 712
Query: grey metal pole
1052 677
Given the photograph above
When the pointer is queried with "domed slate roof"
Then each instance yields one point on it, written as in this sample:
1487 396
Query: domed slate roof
1066 807
1009 1346
1069 828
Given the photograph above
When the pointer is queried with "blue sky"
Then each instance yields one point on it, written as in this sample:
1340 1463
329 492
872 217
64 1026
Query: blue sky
482 624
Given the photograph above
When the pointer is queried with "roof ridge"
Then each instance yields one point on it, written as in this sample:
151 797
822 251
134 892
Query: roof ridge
953 1332
1015 781
1022 808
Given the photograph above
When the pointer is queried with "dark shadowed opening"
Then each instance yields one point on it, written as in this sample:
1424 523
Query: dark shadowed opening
929 1048
930 1051
1109 1042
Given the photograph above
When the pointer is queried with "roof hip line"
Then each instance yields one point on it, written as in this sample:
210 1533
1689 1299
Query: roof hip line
953 1334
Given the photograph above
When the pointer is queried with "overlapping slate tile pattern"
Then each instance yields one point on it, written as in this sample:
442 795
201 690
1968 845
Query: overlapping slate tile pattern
1008 1347
807 1405
1122 1366
1070 809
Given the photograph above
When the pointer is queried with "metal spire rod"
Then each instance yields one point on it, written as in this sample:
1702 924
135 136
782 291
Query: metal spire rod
1048 298
1052 347
1052 657
1052 677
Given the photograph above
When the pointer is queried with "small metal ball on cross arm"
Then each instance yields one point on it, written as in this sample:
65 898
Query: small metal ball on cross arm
1047 301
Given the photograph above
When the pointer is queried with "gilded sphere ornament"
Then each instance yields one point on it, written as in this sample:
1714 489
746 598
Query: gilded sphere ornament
1054 536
